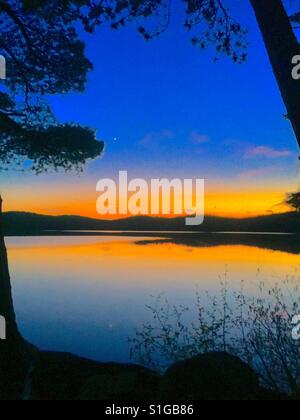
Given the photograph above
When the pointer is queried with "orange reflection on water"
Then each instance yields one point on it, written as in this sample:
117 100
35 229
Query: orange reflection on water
123 260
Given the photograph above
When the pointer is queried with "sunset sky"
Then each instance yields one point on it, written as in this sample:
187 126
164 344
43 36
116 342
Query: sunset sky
166 109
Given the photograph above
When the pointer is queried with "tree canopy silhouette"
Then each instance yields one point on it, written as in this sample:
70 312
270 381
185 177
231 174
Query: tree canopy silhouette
293 201
45 56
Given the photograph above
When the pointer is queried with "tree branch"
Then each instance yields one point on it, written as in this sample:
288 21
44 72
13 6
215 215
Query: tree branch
11 13
7 124
20 67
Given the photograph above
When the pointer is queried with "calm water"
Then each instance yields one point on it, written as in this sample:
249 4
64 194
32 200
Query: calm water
87 295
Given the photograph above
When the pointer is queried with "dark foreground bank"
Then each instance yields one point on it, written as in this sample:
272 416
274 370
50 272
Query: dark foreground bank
212 376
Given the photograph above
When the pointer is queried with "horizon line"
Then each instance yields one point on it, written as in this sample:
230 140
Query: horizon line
120 218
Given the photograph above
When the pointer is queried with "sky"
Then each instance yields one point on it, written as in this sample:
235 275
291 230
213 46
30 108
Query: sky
165 109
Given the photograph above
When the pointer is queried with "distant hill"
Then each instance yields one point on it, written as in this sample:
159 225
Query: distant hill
22 224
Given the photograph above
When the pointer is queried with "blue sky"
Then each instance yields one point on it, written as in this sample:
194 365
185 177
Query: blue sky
142 90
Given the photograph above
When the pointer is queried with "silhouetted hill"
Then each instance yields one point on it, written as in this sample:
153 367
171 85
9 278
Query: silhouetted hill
19 223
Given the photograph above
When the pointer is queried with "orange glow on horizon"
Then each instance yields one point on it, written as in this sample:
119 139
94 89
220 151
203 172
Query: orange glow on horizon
82 202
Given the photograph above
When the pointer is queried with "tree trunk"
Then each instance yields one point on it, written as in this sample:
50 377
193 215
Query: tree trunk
6 302
282 45
12 350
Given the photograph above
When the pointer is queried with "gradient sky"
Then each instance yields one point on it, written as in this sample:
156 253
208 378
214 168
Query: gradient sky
165 108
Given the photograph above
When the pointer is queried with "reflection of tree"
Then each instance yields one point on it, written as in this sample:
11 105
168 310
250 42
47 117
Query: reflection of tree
276 242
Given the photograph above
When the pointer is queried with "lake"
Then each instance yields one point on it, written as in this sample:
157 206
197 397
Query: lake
88 294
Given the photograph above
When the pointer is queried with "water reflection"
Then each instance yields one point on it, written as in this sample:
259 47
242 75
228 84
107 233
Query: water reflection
87 295
270 241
